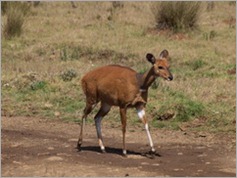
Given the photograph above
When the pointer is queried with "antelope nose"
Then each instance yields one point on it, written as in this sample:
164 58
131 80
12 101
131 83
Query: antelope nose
170 78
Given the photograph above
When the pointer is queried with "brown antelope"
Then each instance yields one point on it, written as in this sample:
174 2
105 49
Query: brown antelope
115 85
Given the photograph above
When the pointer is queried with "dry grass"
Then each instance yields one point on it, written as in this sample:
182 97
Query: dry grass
54 27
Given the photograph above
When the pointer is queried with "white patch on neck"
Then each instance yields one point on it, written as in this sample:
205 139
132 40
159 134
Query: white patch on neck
141 113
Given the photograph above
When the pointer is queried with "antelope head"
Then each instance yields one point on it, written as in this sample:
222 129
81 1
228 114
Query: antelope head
161 65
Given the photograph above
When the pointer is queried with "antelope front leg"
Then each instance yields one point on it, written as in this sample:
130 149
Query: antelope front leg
142 116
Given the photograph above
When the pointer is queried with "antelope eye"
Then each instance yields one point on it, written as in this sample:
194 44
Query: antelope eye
160 67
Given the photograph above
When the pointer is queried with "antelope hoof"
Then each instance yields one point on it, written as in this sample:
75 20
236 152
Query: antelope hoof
78 147
124 153
103 151
152 152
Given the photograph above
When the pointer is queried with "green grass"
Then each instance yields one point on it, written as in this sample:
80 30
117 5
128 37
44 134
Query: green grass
42 68
179 107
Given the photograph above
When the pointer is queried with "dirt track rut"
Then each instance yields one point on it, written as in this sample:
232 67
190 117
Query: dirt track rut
40 147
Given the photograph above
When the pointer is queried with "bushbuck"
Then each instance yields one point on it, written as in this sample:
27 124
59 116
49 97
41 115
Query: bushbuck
115 85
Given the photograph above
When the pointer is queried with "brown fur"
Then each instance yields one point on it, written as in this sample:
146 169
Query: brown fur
112 84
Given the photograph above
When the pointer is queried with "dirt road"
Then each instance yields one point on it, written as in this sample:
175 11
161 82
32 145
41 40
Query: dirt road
40 147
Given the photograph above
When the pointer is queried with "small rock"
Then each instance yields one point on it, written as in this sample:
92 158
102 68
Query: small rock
144 163
73 140
15 145
50 148
200 147
16 162
54 158
63 154
180 153
202 155
135 156
56 113
201 135
207 163
48 105
66 146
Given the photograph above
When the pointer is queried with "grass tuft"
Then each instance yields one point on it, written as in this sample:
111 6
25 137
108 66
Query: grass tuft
38 85
196 64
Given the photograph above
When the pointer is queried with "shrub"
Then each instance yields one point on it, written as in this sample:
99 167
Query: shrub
38 85
15 15
176 16
4 7
68 75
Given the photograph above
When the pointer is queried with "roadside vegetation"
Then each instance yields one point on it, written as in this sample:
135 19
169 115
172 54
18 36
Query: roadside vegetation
43 62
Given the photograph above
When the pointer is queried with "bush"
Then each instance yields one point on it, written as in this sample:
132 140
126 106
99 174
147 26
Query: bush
176 16
68 75
38 85
3 7
15 15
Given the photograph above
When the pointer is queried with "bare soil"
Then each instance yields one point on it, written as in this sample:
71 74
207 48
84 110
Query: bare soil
41 147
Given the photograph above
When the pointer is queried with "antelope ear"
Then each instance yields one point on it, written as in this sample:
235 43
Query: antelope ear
164 54
150 58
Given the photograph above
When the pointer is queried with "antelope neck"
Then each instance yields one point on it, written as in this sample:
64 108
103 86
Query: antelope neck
146 79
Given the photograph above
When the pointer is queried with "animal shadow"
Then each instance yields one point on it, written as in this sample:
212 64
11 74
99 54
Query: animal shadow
118 151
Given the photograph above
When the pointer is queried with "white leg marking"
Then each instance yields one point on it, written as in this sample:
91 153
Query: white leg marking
101 145
141 113
149 135
124 152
